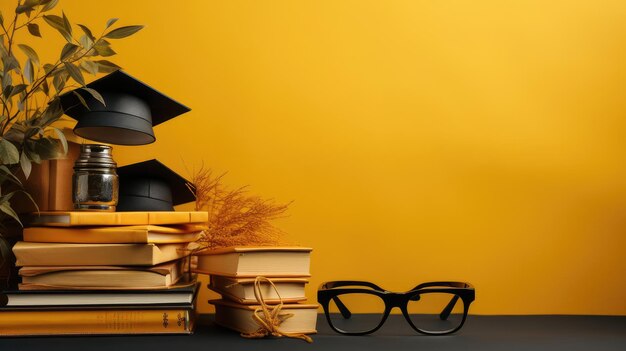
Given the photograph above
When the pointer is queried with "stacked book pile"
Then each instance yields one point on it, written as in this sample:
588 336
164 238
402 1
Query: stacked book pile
233 272
103 273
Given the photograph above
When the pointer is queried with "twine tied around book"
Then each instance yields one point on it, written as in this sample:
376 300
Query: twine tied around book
271 319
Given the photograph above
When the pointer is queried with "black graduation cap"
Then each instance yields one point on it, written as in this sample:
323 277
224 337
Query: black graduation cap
132 108
151 186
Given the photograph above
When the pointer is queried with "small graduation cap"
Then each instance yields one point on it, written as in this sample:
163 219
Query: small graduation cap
132 108
152 186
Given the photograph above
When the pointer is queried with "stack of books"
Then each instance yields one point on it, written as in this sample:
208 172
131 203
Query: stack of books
103 273
233 272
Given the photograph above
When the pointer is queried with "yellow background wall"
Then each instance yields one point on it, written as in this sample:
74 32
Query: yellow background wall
421 140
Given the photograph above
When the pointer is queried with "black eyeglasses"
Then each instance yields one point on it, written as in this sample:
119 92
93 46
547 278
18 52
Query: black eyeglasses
434 308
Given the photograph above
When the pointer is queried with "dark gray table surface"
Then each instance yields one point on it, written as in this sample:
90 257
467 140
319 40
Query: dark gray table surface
510 333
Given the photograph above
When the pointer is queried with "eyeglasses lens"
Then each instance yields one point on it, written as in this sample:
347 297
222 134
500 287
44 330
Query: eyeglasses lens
436 312
356 312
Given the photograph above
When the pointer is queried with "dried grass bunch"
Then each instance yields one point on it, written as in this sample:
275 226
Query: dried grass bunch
236 217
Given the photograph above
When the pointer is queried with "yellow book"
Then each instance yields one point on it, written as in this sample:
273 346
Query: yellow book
248 261
86 218
96 322
142 234
239 317
53 254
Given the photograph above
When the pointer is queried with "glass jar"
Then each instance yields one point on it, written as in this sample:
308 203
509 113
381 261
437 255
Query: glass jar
95 182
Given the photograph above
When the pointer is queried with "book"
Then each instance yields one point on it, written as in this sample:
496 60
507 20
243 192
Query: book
157 320
102 277
50 182
87 218
241 290
180 294
60 183
239 317
56 254
270 261
113 235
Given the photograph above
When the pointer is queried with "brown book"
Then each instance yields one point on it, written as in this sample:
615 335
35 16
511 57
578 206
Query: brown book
113 235
50 184
96 322
241 290
239 317
102 277
270 261
54 254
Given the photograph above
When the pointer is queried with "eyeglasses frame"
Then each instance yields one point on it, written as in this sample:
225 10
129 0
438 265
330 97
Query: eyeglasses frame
331 290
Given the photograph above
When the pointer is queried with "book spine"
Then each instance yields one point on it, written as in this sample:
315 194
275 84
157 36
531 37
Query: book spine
61 171
102 255
111 218
162 218
112 322
198 217
85 236
136 218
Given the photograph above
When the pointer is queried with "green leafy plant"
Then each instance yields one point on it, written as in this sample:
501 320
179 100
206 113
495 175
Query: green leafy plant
29 99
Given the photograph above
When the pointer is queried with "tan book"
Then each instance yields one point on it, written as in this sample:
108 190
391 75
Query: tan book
241 290
103 277
61 172
113 235
53 254
87 218
96 322
270 261
239 317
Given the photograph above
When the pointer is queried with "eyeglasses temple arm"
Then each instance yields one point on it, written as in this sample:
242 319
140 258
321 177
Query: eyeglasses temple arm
448 309
345 312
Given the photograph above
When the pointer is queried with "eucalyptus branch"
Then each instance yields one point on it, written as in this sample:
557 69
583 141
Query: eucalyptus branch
40 81
26 110
7 123
4 29
30 20
56 65
10 37
31 88
5 106
9 50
